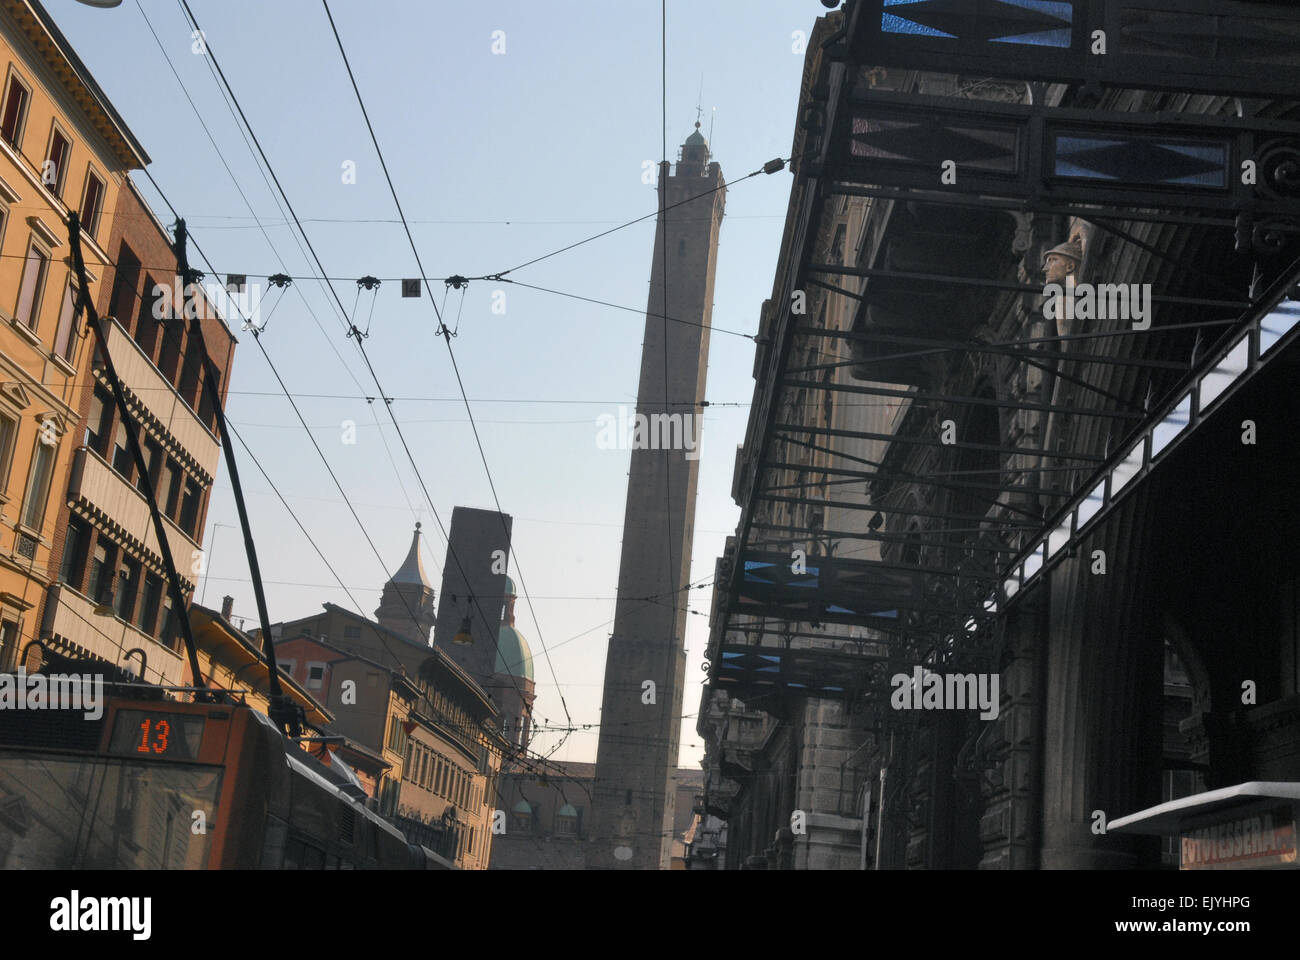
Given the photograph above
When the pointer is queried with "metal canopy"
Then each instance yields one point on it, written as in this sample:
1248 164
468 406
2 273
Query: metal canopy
857 141
748 672
1169 818
841 590
1057 154
1209 46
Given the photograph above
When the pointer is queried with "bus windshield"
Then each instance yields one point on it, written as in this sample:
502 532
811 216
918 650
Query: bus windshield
83 813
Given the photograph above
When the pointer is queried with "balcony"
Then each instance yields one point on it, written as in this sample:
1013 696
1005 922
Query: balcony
156 402
97 492
70 618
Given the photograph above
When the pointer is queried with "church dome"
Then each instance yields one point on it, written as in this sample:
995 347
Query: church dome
510 588
513 656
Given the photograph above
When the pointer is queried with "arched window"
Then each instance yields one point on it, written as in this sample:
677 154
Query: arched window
566 821
521 817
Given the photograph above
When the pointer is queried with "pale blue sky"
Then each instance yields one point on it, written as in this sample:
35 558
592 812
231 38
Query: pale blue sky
552 137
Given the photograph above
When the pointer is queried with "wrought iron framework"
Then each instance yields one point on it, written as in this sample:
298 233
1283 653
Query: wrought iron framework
1207 46
1108 166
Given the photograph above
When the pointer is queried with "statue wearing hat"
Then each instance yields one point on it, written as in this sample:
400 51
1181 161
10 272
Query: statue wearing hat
1062 260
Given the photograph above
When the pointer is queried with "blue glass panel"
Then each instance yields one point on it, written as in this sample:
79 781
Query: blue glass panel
892 24
1053 8
1044 38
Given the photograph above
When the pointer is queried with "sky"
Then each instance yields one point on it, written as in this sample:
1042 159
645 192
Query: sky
497 158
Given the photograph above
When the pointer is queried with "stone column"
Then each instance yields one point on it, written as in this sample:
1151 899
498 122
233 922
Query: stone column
1102 732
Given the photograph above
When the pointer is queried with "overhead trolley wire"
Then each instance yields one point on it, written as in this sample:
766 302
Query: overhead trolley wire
446 334
211 55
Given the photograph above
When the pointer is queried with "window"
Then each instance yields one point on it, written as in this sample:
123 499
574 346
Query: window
170 354
92 199
189 386
146 326
15 111
121 303
32 284
352 633
207 412
566 821
190 508
38 483
74 553
171 486
286 666
99 420
152 458
122 459
8 641
315 676
128 582
8 430
171 628
103 565
153 591
397 736
65 340
56 162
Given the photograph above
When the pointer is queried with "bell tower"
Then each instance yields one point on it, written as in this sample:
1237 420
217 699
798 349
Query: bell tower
636 762
406 604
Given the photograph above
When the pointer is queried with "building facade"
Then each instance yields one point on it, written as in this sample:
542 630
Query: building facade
394 693
63 148
544 815
110 599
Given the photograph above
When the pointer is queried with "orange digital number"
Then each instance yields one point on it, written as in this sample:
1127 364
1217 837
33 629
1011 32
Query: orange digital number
163 729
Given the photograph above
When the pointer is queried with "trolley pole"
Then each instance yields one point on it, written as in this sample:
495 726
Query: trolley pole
283 712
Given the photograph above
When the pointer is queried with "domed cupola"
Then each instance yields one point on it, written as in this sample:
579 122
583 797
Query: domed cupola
514 658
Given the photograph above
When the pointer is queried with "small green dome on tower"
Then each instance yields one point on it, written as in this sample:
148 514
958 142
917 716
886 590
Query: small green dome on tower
513 656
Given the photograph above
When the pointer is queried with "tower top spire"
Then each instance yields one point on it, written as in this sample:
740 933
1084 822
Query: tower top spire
696 148
412 568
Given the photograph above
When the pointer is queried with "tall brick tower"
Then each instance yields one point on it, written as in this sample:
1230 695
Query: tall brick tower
636 761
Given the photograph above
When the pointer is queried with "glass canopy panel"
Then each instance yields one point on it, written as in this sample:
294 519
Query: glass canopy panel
1232 366
1060 536
1043 23
1092 503
1127 468
1034 562
1137 159
1011 586
1171 426
1277 323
